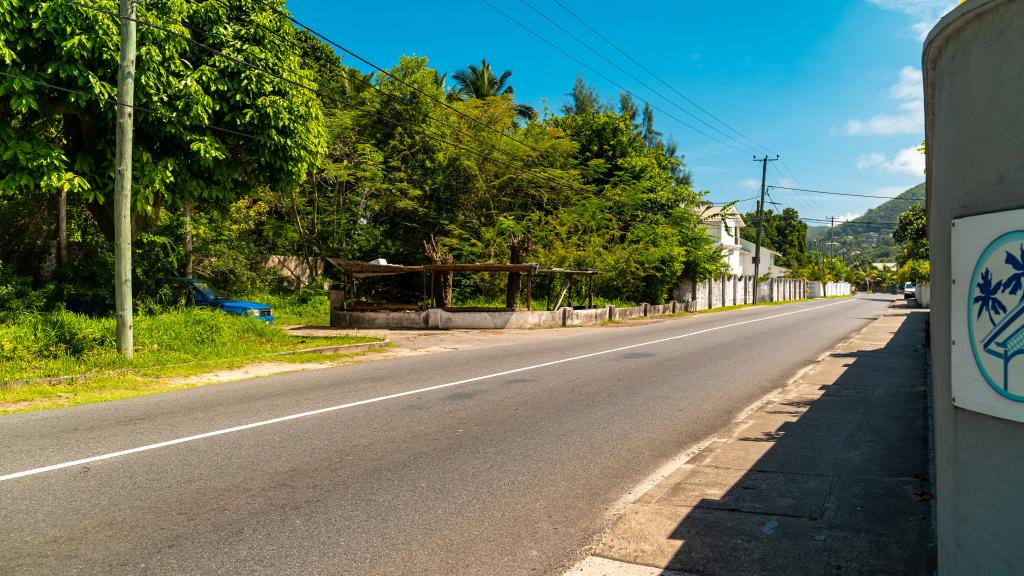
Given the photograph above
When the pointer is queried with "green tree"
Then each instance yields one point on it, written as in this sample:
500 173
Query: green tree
912 234
191 104
782 232
583 99
481 83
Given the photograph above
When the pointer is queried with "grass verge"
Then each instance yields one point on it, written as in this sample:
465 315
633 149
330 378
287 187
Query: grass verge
169 345
107 387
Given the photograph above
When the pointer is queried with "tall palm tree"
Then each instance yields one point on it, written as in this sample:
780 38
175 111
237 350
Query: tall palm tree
480 82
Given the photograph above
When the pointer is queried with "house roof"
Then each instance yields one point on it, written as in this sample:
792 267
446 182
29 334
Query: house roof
711 213
748 246
1009 321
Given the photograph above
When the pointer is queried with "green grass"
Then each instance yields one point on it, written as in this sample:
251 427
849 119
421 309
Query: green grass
296 310
107 387
66 344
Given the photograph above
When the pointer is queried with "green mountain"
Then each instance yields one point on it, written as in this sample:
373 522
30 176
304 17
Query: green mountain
870 234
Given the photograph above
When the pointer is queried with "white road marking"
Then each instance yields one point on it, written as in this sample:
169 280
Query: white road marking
166 443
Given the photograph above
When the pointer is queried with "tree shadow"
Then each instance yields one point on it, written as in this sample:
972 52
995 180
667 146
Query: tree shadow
833 482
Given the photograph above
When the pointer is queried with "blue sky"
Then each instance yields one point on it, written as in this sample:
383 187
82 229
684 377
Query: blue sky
834 87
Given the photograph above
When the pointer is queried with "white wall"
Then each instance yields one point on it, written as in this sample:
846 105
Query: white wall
729 240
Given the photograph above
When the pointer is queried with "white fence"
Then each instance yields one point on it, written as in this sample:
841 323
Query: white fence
817 289
737 290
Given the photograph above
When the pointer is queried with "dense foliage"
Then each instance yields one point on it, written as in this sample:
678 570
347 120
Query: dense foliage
782 232
278 148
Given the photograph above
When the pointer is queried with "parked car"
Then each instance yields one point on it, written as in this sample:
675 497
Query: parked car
909 291
199 293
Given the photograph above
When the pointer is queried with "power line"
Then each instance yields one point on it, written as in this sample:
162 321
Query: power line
631 76
606 78
667 85
848 194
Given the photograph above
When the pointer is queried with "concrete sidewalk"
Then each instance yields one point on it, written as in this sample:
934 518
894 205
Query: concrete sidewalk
830 477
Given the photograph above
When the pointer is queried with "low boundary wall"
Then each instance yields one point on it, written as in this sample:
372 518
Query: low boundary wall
717 293
737 291
440 319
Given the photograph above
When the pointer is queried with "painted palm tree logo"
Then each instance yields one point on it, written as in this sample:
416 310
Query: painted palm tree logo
1005 339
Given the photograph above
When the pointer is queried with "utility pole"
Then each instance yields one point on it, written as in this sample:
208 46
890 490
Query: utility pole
832 239
123 182
760 219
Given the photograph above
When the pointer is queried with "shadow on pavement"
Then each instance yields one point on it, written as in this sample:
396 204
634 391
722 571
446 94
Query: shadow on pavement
834 480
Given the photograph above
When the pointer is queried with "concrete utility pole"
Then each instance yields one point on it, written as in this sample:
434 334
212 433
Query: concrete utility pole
760 219
123 182
832 239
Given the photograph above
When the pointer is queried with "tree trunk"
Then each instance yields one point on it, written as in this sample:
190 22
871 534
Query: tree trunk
519 247
441 282
188 239
304 240
62 229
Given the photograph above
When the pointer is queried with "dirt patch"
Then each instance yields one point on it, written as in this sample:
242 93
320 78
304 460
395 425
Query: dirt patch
251 371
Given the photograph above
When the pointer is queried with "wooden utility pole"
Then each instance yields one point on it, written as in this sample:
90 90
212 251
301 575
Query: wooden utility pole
123 182
760 219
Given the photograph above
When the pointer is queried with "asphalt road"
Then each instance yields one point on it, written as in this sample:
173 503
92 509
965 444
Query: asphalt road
506 474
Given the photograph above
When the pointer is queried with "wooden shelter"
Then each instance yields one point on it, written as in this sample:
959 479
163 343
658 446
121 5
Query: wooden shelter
349 298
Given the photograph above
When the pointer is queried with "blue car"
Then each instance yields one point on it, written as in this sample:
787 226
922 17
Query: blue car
200 294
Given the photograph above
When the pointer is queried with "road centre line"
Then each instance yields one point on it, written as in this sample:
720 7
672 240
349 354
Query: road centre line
193 438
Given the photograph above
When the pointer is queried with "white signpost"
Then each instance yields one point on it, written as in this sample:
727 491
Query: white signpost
988 314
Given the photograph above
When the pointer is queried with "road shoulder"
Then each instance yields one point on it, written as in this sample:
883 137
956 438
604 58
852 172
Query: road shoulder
830 476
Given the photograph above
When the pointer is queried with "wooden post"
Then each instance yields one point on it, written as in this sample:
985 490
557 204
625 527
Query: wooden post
590 291
529 291
123 183
351 290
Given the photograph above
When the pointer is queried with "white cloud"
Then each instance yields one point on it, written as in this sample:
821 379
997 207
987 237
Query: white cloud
865 161
906 161
849 216
924 13
910 119
909 86
749 184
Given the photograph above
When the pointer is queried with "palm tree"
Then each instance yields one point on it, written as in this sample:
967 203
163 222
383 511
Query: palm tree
1015 282
986 298
479 82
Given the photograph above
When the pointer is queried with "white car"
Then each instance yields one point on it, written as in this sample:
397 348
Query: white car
909 291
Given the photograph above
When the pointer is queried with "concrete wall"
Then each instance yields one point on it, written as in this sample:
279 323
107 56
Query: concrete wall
294 268
627 313
438 319
923 295
974 82
738 290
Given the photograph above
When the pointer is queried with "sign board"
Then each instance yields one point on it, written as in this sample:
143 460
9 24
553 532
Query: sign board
987 310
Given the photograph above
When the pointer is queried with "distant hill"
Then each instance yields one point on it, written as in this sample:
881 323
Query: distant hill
871 234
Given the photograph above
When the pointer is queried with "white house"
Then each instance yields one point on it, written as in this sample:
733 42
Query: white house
726 234
768 260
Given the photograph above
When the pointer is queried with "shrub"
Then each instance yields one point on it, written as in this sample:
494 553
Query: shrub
63 333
